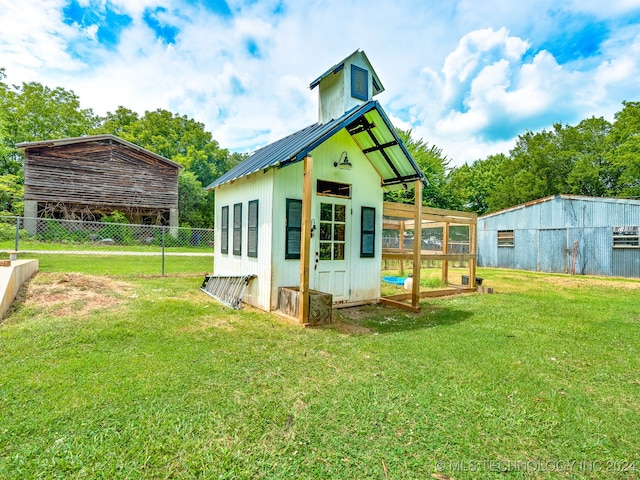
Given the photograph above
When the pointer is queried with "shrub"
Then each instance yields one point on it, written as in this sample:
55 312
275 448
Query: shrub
117 229
7 232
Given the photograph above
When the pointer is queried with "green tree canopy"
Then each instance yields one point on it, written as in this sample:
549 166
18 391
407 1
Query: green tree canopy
434 165
624 154
474 185
185 141
32 112
566 159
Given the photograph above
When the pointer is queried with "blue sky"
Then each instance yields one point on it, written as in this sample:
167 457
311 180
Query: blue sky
466 76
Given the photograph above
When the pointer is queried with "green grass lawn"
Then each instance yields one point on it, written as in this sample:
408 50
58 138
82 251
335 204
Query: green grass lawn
123 265
123 376
34 245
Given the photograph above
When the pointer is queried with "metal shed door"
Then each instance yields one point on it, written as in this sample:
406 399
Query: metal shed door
552 251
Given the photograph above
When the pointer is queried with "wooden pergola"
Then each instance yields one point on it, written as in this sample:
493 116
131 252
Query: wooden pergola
404 217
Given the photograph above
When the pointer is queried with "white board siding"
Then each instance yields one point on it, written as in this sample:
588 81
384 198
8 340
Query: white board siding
285 272
363 273
258 186
272 189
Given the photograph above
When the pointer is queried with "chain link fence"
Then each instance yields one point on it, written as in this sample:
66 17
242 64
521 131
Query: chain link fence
45 235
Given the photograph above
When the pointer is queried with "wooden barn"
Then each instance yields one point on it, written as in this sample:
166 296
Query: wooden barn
86 177
306 213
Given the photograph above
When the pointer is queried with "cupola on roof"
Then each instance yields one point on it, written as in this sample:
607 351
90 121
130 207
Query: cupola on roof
348 84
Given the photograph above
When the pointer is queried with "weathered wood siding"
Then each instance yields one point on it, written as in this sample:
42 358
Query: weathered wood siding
364 274
100 173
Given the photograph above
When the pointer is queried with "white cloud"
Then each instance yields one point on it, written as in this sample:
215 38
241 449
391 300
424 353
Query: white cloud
33 37
459 74
604 9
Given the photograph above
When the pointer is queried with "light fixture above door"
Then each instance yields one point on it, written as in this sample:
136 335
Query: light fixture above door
343 163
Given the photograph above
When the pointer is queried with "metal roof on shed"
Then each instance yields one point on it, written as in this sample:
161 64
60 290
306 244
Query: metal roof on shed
367 124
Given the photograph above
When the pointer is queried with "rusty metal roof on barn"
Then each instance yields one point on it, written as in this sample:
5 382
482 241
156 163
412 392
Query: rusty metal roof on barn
367 124
94 138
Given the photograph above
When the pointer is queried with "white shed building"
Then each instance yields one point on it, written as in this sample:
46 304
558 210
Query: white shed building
306 211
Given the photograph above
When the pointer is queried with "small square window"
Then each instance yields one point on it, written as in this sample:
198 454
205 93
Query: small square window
506 238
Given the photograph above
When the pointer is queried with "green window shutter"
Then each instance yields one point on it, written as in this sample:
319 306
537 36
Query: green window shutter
224 230
294 228
368 232
359 83
237 229
252 229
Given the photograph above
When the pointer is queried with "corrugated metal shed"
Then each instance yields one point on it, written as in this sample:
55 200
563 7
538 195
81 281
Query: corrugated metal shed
564 234
367 124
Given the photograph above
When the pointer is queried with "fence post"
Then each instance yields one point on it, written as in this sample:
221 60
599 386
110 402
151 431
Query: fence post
163 228
17 233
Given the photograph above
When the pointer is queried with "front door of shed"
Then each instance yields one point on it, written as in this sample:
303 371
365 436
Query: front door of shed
332 248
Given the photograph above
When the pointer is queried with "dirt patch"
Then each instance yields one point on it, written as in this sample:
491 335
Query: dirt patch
350 329
62 294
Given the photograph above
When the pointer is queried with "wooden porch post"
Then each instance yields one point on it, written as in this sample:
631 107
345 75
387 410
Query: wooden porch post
417 244
472 250
401 246
305 239
445 250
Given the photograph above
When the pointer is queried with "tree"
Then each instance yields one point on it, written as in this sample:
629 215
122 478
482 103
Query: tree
185 141
474 185
193 201
32 112
536 167
434 166
118 122
592 171
624 153
11 194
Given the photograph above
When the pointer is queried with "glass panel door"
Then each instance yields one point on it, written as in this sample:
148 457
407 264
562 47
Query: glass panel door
332 249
